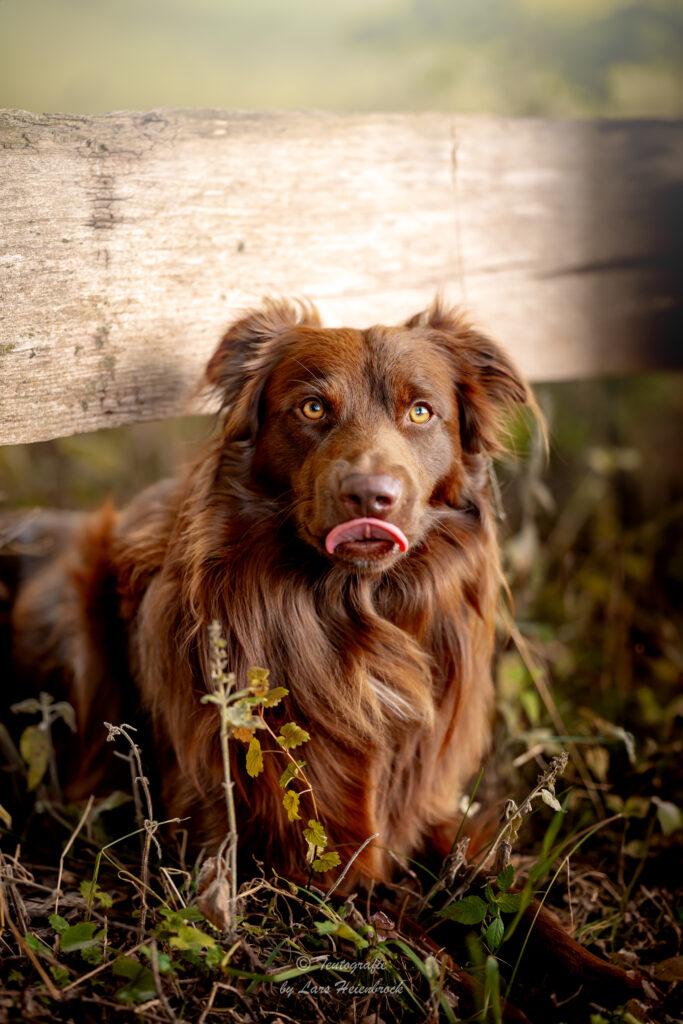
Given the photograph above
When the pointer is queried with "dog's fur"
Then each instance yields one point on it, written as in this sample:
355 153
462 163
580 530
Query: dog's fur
386 652
386 656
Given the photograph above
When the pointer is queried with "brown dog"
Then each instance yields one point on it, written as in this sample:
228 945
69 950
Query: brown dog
340 529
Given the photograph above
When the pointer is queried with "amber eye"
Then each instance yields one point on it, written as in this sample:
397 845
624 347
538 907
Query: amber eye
313 409
420 413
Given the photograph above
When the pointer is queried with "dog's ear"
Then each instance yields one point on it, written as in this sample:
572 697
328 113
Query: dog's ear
245 357
487 382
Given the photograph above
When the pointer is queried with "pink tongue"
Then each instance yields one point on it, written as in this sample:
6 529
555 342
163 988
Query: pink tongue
365 529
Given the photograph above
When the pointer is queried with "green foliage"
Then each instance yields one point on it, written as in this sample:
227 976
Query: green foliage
84 935
91 891
492 977
494 934
92 955
291 772
60 974
191 939
468 910
37 945
473 909
589 611
318 856
164 962
179 928
139 987
506 878
342 930
35 744
242 713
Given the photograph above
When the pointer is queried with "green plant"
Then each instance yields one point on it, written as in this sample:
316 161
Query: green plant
487 911
35 744
242 714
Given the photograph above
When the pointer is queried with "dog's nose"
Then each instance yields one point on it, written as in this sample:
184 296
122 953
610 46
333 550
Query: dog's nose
370 494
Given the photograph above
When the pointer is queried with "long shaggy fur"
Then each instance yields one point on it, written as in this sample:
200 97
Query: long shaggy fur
388 670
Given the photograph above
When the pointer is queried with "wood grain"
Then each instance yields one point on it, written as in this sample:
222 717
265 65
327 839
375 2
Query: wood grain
129 241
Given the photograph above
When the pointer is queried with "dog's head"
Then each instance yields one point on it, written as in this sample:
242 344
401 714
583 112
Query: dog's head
365 434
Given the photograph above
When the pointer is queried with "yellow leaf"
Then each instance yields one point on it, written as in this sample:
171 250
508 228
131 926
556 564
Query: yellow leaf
292 735
254 758
326 861
315 834
274 696
242 733
258 680
290 772
35 750
290 802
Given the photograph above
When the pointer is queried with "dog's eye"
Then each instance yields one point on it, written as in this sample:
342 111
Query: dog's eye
313 409
420 413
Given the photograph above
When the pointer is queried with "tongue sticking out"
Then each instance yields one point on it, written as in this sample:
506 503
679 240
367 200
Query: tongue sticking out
365 530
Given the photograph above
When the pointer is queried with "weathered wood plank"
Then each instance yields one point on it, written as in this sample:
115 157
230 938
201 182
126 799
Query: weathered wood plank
128 241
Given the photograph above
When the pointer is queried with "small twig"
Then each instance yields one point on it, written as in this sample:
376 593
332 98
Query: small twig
150 829
154 959
449 871
123 873
81 823
166 876
209 1005
139 779
46 724
223 683
142 1010
5 916
149 824
223 987
96 970
139 813
338 881
7 879
514 816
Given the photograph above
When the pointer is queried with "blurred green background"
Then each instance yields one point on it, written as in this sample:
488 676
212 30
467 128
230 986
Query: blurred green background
562 58
593 541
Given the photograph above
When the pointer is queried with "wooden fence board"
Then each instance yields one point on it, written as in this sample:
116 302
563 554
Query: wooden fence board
128 241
